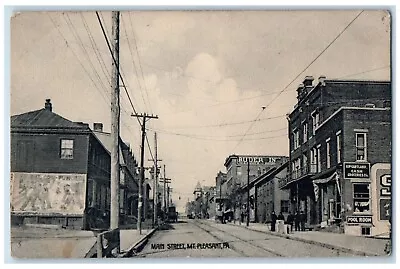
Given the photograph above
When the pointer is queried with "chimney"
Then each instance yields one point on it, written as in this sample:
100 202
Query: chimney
98 126
308 80
321 80
48 105
300 89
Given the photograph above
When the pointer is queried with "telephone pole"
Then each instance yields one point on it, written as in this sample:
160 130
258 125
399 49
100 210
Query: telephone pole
115 120
155 188
141 179
248 193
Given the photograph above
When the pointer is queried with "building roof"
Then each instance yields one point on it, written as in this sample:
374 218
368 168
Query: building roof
44 118
105 140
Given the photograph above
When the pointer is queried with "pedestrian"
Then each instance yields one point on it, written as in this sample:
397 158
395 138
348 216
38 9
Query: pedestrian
290 220
297 221
302 221
281 223
273 221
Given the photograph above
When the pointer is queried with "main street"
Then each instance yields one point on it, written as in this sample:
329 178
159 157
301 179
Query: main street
205 238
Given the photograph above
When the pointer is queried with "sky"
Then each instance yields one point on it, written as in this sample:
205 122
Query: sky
206 74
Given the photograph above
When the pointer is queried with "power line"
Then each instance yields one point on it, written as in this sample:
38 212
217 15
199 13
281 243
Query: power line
367 71
229 123
76 56
119 74
248 129
96 50
222 140
133 61
78 38
140 65
211 136
313 61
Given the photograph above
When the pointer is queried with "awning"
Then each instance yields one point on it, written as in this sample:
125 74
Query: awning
325 180
333 177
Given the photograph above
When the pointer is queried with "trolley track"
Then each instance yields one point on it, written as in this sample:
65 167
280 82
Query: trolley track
250 243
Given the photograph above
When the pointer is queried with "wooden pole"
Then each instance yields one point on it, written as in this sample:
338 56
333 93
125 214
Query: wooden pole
115 121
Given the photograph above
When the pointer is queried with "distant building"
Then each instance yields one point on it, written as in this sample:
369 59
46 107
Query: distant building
237 178
269 197
340 155
60 172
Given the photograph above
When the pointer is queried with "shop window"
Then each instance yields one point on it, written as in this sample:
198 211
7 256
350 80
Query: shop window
361 146
361 197
285 206
67 149
365 230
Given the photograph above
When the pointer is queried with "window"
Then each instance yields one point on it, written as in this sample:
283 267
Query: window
315 121
339 147
305 132
328 153
319 158
361 146
285 206
313 163
361 197
305 161
67 149
365 230
296 139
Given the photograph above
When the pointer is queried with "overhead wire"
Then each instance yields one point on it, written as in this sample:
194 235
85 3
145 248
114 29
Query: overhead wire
120 75
307 66
133 61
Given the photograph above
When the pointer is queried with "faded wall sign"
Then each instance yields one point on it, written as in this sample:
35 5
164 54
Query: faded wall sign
48 193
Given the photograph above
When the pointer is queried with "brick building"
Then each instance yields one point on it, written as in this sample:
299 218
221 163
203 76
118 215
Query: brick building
60 172
340 154
236 179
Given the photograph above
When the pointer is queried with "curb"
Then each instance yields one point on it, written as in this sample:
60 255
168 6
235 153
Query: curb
137 246
325 245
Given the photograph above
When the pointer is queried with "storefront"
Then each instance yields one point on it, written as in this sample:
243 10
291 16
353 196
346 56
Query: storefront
370 200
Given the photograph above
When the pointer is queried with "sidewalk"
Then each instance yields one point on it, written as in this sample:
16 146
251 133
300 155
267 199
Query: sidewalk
35 242
353 244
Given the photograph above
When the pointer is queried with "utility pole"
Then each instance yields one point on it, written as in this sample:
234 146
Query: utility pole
248 193
115 120
155 188
165 182
141 180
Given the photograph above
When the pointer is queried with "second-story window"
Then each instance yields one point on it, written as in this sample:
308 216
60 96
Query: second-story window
313 163
328 153
67 149
319 158
361 146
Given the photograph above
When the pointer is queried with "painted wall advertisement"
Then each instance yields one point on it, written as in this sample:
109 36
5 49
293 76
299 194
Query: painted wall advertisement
42 193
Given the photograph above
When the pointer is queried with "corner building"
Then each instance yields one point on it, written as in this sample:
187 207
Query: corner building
340 155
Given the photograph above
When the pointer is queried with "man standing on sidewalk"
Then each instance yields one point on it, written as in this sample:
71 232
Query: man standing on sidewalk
302 221
290 220
273 221
297 221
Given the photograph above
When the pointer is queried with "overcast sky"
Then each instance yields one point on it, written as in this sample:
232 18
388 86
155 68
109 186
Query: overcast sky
205 74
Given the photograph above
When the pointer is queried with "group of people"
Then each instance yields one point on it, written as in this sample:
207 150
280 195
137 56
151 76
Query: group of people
299 220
